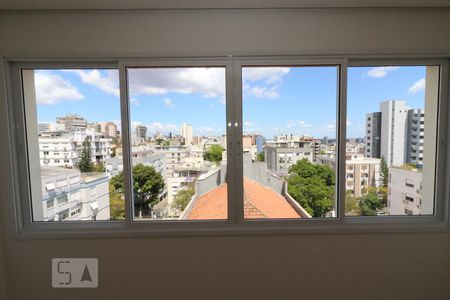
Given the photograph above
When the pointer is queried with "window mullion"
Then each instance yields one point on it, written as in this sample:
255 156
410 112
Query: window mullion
126 145
237 144
341 140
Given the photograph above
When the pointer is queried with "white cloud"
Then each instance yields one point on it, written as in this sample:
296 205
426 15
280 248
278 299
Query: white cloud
51 89
303 124
272 77
380 71
268 74
349 123
418 86
264 92
209 82
162 128
108 83
168 102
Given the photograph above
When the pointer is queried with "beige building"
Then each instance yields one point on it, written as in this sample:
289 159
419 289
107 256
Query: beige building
361 172
109 129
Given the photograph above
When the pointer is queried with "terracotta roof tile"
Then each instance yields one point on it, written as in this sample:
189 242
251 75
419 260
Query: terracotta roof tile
259 202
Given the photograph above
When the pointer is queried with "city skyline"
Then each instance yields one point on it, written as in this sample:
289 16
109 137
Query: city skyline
270 97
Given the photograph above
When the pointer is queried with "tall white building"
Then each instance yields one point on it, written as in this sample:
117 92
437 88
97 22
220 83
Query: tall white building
394 115
186 133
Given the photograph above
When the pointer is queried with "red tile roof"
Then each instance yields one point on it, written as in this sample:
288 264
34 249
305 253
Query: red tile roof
259 202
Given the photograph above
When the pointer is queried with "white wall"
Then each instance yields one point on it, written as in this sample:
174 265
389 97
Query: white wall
334 266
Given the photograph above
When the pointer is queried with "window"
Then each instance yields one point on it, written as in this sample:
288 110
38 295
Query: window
61 199
188 144
178 113
76 111
289 110
412 97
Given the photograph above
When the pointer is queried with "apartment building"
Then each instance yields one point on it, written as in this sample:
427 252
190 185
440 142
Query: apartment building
415 136
73 122
68 195
109 129
405 193
373 135
186 133
281 154
361 172
114 165
393 131
63 148
141 131
174 156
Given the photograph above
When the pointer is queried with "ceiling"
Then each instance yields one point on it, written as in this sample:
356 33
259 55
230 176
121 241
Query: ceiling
210 4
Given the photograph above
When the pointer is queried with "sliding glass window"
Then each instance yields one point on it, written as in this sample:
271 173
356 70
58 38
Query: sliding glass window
391 140
74 143
289 141
178 143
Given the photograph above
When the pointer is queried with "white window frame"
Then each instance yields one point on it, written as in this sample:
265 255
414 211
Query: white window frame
21 202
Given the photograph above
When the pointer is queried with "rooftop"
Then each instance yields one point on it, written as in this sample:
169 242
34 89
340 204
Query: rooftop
56 171
259 202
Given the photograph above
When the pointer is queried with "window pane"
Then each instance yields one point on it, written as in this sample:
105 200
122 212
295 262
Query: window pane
73 135
178 143
289 141
391 142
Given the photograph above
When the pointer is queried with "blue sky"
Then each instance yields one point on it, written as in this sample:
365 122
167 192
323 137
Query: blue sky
277 100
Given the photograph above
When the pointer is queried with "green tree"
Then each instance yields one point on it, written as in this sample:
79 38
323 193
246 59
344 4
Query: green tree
260 156
147 185
183 197
384 172
370 204
352 207
312 186
85 162
214 154
116 203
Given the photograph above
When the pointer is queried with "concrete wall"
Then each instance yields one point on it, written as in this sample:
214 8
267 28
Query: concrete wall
326 266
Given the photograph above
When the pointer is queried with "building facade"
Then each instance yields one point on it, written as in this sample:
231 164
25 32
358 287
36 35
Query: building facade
141 132
73 123
393 131
405 193
373 135
109 129
63 148
415 136
280 155
70 195
186 133
360 173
